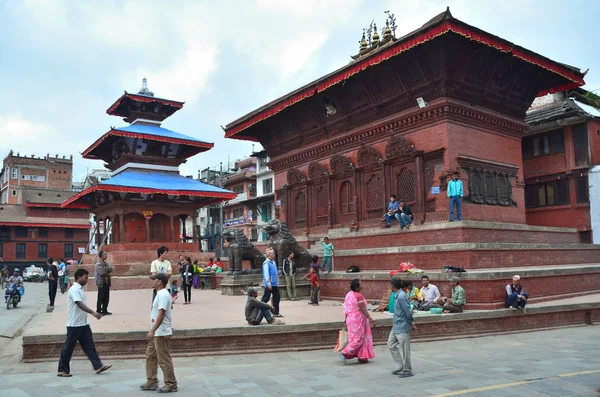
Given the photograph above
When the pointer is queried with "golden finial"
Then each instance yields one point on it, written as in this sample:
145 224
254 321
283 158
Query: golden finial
363 42
387 33
375 36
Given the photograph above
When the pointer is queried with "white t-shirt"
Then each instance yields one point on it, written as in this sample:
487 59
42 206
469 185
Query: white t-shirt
163 301
160 266
77 317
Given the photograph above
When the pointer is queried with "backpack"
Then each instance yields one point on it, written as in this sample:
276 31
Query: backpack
353 269
454 269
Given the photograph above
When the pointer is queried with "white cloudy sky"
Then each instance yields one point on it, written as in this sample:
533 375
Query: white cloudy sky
63 63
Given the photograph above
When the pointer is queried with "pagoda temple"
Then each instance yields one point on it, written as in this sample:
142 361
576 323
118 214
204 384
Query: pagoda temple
399 119
146 200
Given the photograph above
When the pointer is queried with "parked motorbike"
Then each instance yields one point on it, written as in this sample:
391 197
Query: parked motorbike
12 295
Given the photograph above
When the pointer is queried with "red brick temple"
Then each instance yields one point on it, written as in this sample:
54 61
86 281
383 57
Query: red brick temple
146 201
399 119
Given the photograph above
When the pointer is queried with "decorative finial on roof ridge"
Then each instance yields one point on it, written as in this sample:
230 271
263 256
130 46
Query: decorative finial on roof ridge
145 90
363 41
392 22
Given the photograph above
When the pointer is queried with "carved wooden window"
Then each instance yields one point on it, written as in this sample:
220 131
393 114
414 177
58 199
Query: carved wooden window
552 142
300 206
375 197
486 187
547 194
346 198
322 202
406 185
580 143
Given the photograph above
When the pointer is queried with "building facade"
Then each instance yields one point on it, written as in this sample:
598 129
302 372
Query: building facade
265 193
558 151
399 119
20 172
240 212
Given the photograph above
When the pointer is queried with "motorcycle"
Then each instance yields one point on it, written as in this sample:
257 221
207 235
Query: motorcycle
12 295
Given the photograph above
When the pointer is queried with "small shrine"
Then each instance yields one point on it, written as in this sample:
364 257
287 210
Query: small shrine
146 200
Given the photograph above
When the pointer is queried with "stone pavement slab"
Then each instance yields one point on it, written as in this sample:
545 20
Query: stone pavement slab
549 363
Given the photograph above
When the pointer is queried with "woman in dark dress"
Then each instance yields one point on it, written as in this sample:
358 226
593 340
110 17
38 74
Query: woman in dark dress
187 277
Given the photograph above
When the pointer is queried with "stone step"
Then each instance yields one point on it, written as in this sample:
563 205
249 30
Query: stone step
467 255
451 232
484 288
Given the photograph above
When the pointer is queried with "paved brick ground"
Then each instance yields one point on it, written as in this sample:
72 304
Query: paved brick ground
550 363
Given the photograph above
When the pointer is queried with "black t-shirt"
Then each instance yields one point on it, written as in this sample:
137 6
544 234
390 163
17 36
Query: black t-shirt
407 210
54 272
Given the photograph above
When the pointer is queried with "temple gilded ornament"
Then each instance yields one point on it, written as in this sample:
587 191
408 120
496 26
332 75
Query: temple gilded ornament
372 40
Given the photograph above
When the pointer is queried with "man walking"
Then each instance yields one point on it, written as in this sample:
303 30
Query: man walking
158 351
399 339
103 271
161 265
271 281
328 250
52 280
78 329
289 271
455 194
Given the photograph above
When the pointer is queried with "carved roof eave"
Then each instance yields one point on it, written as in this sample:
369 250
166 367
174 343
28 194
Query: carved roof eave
473 163
414 120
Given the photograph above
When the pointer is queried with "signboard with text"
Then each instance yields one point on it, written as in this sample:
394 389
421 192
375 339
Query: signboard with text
240 220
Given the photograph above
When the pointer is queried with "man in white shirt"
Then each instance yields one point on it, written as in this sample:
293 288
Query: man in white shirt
430 295
158 351
78 329
161 265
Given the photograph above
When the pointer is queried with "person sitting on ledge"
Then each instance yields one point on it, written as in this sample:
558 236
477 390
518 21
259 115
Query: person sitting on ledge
257 310
406 214
458 300
515 297
430 295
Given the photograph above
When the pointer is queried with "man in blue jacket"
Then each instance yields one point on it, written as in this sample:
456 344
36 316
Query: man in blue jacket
271 282
399 339
455 194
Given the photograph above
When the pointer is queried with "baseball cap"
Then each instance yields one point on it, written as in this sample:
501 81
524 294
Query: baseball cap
251 290
162 277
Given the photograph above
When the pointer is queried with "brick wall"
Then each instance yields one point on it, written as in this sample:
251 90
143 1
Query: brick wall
572 215
55 242
594 136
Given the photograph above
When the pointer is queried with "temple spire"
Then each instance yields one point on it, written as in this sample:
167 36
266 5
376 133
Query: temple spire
145 90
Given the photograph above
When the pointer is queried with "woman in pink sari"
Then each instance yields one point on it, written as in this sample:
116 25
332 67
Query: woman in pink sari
358 324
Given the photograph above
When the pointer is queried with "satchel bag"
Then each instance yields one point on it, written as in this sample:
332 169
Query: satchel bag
342 341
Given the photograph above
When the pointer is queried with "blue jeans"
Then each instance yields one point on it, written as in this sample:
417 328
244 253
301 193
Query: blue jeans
388 219
456 201
264 313
327 263
513 300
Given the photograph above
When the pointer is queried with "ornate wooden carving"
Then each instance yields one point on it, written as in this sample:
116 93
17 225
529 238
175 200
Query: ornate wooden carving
322 202
405 181
295 177
368 155
300 210
397 147
317 171
341 165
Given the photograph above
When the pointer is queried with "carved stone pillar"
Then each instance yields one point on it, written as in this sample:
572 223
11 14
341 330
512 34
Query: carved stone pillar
171 219
121 226
420 193
147 229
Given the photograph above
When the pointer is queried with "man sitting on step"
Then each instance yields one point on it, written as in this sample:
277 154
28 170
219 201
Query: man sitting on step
257 310
515 297
458 300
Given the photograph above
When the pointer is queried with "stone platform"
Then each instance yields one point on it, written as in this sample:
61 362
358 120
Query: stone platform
214 324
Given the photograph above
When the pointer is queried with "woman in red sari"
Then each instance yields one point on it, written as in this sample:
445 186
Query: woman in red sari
358 324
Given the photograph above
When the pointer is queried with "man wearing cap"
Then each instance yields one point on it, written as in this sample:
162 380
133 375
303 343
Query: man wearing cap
158 351
271 281
458 300
515 297
257 310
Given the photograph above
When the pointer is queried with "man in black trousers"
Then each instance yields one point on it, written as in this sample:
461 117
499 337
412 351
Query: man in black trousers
103 271
78 329
52 280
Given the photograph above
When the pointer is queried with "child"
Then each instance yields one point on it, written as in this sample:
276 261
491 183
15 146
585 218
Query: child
174 291
219 263
413 294
317 267
313 277
197 271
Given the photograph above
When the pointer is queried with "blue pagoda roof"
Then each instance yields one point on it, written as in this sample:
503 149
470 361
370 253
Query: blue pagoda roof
155 182
152 132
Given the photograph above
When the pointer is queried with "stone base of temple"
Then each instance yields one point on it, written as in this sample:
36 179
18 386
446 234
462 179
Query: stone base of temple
237 285
214 324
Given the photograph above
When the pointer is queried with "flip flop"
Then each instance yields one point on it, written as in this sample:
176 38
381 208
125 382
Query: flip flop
104 368
63 375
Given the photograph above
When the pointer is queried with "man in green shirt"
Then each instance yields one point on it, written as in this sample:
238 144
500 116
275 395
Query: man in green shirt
458 300
328 249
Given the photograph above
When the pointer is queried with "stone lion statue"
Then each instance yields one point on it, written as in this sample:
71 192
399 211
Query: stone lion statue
240 248
283 243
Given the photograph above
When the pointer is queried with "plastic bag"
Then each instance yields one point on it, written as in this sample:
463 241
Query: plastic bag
342 341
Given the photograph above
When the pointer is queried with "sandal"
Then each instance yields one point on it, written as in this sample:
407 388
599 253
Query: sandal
64 375
104 368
